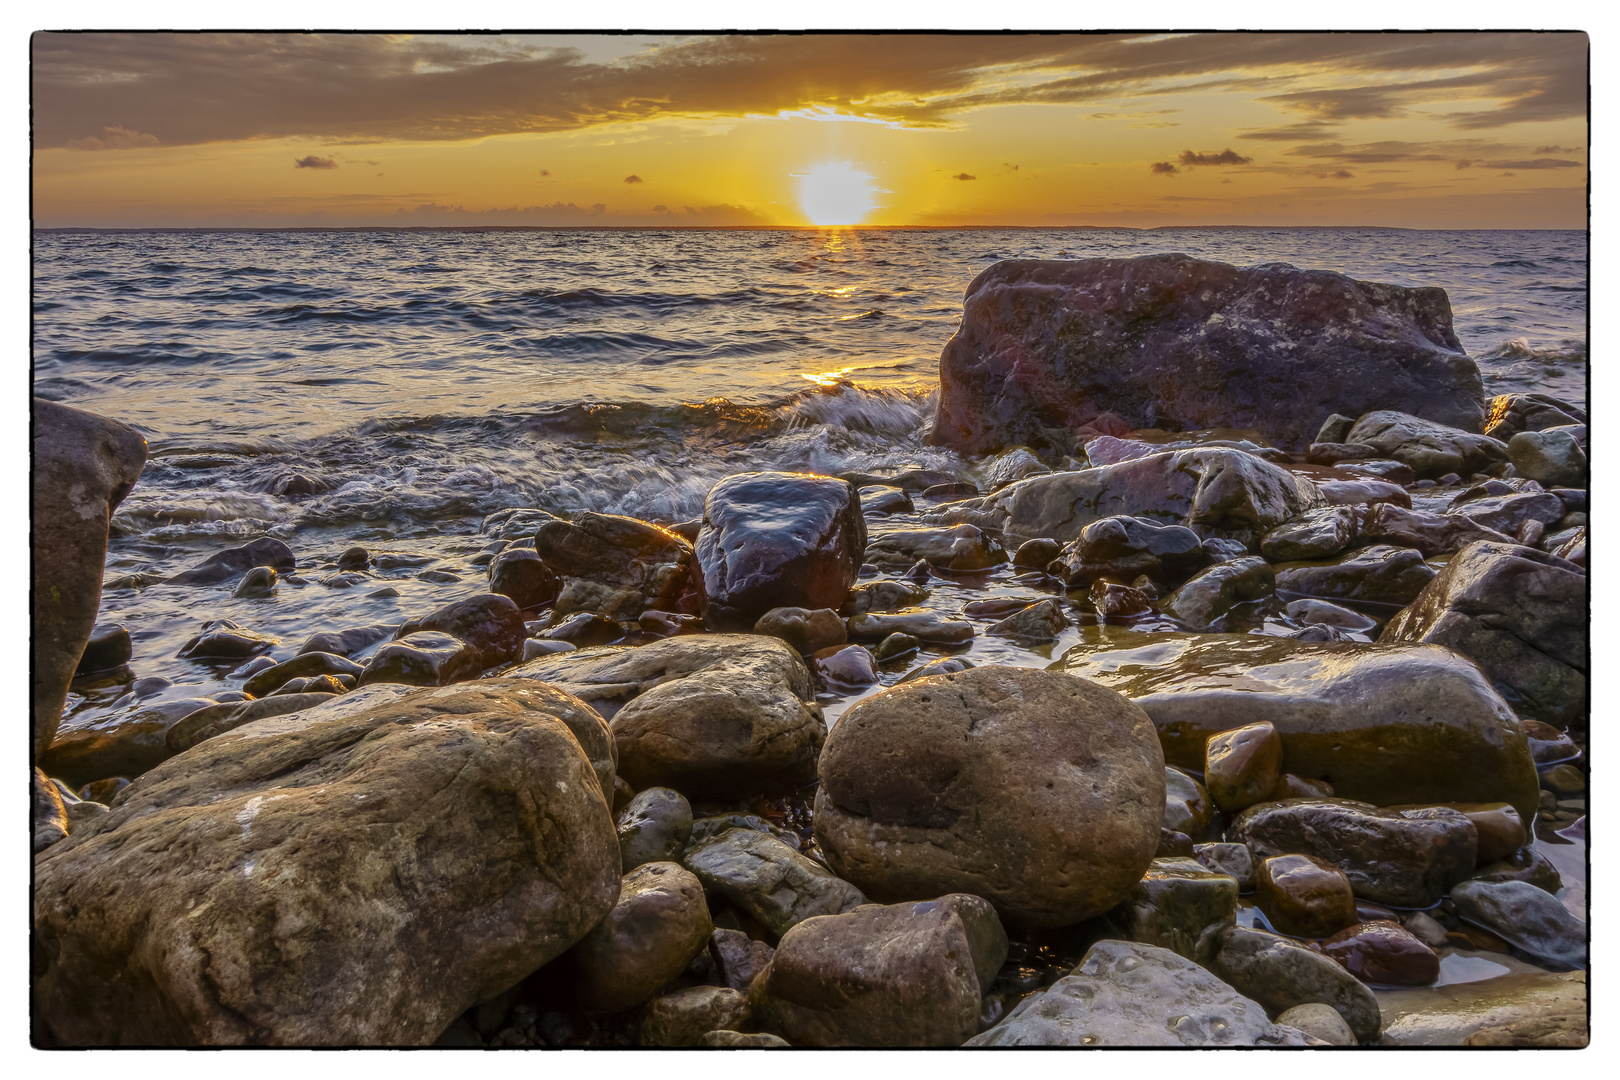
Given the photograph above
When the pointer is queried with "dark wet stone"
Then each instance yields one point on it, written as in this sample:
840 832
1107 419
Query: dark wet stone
1318 1021
1173 845
768 879
316 684
301 666
960 547
537 647
1363 492
216 719
919 574
896 646
1379 574
47 813
1509 414
1303 896
1335 428
1316 534
1114 601
804 630
846 666
257 582
105 790
1209 594
618 566
1388 470
954 490
1500 829
685 1017
1233 860
109 647
224 565
490 625
1241 765
425 658
1505 513
1550 456
1290 786
1329 614
884 499
1040 621
737 1040
354 558
1186 804
1431 448
520 575
1573 549
920 623
222 639
946 665
1179 905
1432 534
669 623
882 595
738 957
1331 453
1123 547
1564 779
1525 916
584 629
1527 865
1035 554
347 642
1281 974
1383 953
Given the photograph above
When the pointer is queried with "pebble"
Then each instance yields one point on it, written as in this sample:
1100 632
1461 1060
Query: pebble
896 647
257 582
847 666
1319 1021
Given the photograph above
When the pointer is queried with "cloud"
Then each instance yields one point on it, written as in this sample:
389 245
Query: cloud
113 138
313 162
1225 157
1536 163
964 176
715 214
558 213
1163 168
1462 153
545 172
1305 129
633 179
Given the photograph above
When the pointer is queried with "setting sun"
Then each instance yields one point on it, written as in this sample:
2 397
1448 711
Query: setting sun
836 194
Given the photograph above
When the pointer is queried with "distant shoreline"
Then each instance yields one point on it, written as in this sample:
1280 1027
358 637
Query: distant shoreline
754 228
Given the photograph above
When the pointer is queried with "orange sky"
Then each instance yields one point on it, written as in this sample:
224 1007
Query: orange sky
1484 130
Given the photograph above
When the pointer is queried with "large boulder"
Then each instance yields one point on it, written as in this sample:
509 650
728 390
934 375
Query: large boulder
340 876
704 714
1430 448
1040 792
1172 341
776 539
618 566
1520 614
1385 724
83 466
1219 492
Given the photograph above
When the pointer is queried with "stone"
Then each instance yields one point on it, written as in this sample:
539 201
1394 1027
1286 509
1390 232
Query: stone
1505 514
1128 994
737 957
257 583
1331 453
1290 786
928 786
1517 1010
224 565
1383 723
669 623
216 719
1115 601
1500 830
737 1040
1380 574
921 623
1040 621
684 1017
776 539
1220 492
658 924
1368 491
1303 895
465 825
1013 465
1550 457
48 813
1035 554
1045 347
806 631
1173 844
583 629
347 642
105 790
1242 765
1384 953
703 714
489 624
618 566
953 490
1319 1022
1233 860
224 639
1432 534
316 684
1281 974
1431 448
1573 549
960 547
884 499
425 658
301 666
1186 803
534 648
1316 534
945 665
108 649
1179 905
769 880
1524 916
522 576
1509 414
654 827
904 975
1408 858
1520 615
1565 779
1127 547
885 594
848 666
1211 593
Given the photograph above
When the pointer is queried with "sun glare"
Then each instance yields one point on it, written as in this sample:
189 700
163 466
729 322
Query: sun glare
836 194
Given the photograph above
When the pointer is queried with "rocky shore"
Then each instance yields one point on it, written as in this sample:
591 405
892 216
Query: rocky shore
1233 692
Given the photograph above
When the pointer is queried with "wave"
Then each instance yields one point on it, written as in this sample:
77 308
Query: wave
1568 351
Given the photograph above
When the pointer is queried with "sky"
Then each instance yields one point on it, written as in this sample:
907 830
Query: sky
1442 130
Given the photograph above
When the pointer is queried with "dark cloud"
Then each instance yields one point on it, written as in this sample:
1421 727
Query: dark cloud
1307 129
1163 168
545 172
1225 157
964 176
1535 163
113 137
1464 153
633 179
313 162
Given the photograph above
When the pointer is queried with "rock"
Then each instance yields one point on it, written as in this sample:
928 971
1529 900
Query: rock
465 825
896 647
1126 547
1408 858
1524 916
686 1016
1380 575
654 827
1319 1022
1303 895
773 539
1331 453
127 743
921 623
1233 860
1500 830
1114 601
1186 803
709 713
618 566
1335 428
1573 549
425 658
738 958
1290 786
848 666
884 594
1431 448
1509 414
109 648
211 720
1564 779
49 815
1387 724
1225 493
1522 1010
1367 492
224 565
1383 952
736 1040
1504 514
520 575
1241 765
489 624
1179 905
1035 554
909 974
347 642
658 924
953 490
301 666
1172 341
1040 621
806 631
1220 550
1014 465
961 547
884 499
316 684
1550 457
1431 534
1520 614
945 665
223 639
534 648
1211 593
1128 994
927 786
354 558
256 583
105 790
1173 844
583 629
1281 974
1321 612
769 880
1316 534
669 623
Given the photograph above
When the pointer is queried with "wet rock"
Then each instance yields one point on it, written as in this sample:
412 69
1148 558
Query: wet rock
210 885
1233 860
1524 916
1365 492
849 666
709 713
354 558
1321 612
1408 858
1550 457
1115 601
425 658
347 642
768 879
1319 1022
1129 994
654 827
1520 614
520 575
1316 534
1509 414
773 539
1431 534
618 566
1186 804
1335 428
1013 465
1125 547
737 1040
926 786
737 957
896 647
1241 765
216 719
1290 786
921 623
1573 549
301 666
917 574
534 648
1522 1010
1303 895
908 974
882 595
1421 926
125 744
1179 905
1035 554
109 647
105 790
316 684
1384 953
684 1017
1564 779
1331 453
1504 514
804 630
1500 830
1040 621
1281 974
1387 724
1211 593
1173 845
884 499
490 625
1169 340
669 623
48 814
1224 493
961 547
945 665
1431 449
584 629
658 924
1380 574
256 583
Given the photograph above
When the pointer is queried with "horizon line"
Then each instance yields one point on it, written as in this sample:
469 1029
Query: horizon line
758 228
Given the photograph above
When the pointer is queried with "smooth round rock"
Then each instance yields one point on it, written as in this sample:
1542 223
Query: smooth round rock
1241 765
1186 803
684 1017
805 630
660 922
1303 896
654 827
1319 1021
520 575
257 582
847 666
740 1041
1384 953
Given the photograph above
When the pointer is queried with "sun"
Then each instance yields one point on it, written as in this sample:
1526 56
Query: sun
836 193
